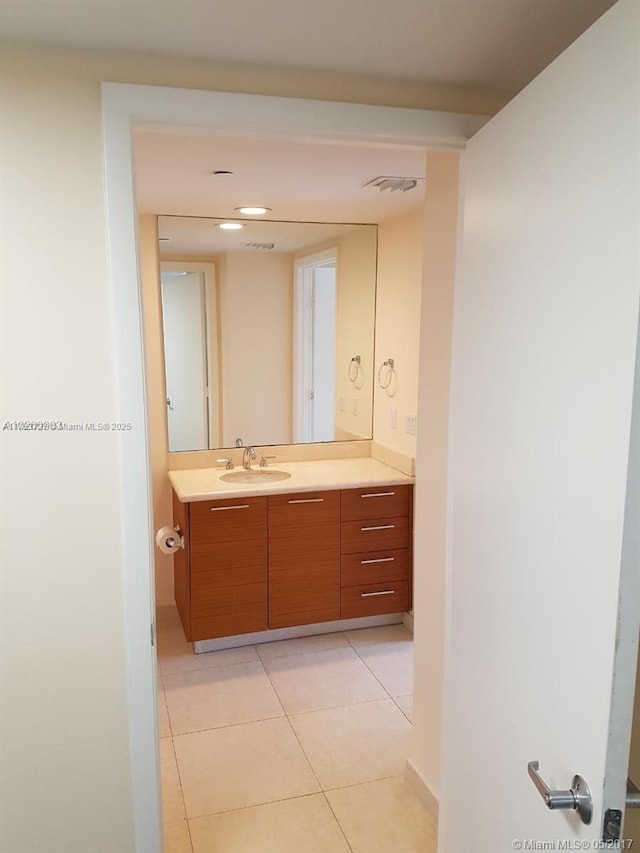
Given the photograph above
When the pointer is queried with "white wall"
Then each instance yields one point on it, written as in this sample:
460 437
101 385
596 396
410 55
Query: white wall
65 785
440 227
400 251
256 316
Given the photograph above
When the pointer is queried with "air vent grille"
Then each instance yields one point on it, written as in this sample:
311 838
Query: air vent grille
394 183
261 246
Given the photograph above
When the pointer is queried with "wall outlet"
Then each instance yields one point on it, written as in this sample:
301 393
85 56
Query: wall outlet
354 406
410 423
393 418
342 404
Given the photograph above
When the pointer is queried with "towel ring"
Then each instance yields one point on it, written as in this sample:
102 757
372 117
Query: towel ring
353 375
390 371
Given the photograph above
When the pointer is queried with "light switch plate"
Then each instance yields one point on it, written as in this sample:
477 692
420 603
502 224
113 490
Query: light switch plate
342 404
393 418
354 406
410 423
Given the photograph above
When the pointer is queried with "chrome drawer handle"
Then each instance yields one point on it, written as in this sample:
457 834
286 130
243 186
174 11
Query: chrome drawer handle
379 560
379 495
371 594
237 506
379 527
308 501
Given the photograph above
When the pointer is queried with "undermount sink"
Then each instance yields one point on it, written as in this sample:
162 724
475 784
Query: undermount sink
255 475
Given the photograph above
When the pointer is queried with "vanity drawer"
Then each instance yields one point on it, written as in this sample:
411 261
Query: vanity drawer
375 567
374 599
375 534
228 520
375 502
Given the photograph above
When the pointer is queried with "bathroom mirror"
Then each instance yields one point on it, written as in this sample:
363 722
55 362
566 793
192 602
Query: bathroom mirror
268 331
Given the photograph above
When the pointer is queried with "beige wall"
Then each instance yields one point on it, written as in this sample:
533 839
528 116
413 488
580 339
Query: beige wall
65 784
355 312
400 249
440 232
64 733
256 308
156 406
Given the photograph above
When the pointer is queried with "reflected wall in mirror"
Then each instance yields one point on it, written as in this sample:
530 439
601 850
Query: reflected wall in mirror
268 331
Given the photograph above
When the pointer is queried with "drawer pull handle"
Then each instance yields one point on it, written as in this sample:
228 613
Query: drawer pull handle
379 560
379 527
382 592
236 506
307 501
379 495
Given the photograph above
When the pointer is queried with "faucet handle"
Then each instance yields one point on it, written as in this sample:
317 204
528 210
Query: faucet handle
263 460
228 464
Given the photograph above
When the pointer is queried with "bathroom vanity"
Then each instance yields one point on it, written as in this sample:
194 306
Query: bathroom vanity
331 542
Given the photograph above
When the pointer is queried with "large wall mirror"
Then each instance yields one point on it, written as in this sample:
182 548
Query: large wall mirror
268 331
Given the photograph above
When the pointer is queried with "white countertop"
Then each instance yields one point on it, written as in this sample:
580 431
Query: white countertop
202 484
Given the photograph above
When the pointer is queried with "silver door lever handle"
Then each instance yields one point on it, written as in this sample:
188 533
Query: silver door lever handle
578 797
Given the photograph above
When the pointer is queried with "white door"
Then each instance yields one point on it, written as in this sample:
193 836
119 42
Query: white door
185 355
545 334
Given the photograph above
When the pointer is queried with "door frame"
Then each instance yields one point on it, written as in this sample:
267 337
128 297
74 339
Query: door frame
126 108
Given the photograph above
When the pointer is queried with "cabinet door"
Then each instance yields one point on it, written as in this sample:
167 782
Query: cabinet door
228 540
304 558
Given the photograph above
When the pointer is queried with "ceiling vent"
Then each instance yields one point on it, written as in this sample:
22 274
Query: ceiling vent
261 246
393 183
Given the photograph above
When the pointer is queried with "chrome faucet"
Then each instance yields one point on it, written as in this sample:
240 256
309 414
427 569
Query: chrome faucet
248 454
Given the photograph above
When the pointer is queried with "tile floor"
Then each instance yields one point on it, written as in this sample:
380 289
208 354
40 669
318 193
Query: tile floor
297 746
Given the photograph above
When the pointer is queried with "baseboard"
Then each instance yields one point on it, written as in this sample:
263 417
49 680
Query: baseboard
422 789
298 631
407 618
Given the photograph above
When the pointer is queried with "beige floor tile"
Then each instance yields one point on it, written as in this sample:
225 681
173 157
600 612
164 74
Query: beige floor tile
384 816
220 696
302 825
245 765
388 652
322 680
302 645
358 743
176 837
172 802
405 703
176 655
164 729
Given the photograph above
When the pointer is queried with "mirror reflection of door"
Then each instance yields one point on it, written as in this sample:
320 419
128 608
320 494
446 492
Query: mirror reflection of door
315 348
185 348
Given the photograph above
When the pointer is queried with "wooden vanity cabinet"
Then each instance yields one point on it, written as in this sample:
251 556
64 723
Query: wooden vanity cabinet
220 578
282 560
376 538
304 558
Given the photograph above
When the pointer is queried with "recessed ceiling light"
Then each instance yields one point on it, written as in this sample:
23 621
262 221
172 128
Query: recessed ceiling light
253 211
231 226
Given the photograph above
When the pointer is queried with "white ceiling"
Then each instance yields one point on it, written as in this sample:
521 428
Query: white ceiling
299 181
497 44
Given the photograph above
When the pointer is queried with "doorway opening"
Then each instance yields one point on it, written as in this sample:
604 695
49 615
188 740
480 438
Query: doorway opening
314 360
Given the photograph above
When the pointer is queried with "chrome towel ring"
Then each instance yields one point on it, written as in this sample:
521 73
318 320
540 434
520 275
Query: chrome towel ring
385 379
355 361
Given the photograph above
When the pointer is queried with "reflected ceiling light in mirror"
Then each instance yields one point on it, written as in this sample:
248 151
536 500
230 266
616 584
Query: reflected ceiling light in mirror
253 211
231 226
